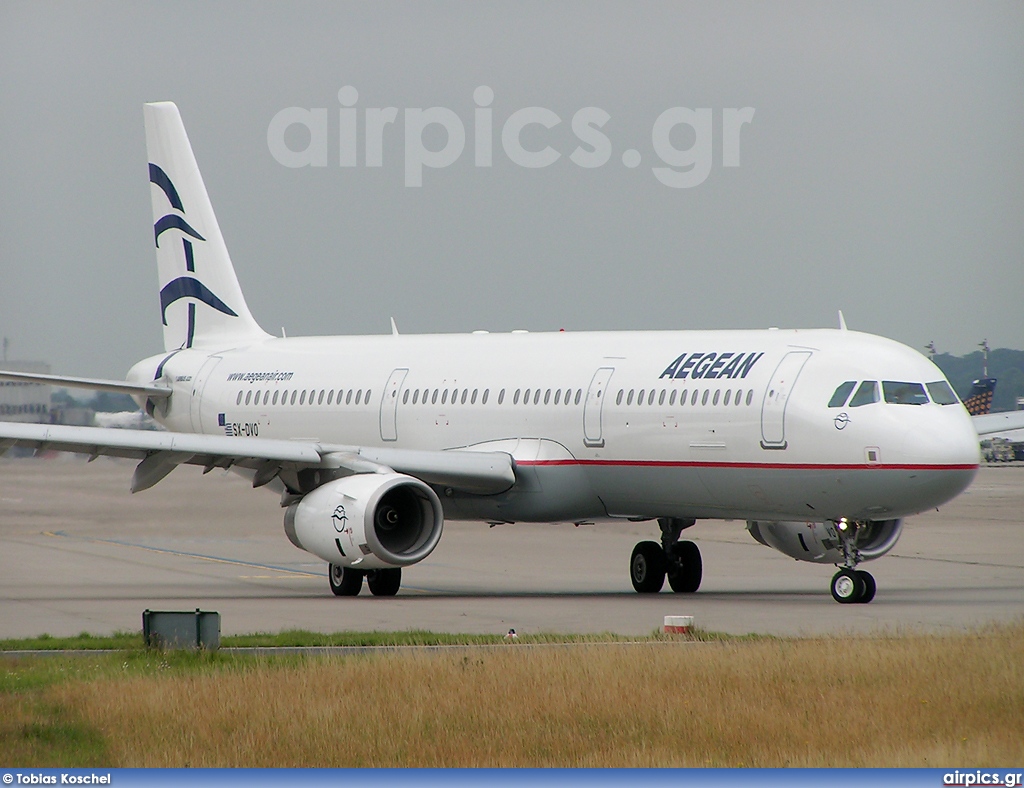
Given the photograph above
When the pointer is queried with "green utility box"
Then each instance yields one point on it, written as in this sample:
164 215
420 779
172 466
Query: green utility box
181 629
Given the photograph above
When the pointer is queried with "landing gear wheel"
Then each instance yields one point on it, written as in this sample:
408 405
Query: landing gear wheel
847 586
384 582
344 580
647 568
869 586
684 574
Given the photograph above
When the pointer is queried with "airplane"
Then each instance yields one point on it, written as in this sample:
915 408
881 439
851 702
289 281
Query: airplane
821 440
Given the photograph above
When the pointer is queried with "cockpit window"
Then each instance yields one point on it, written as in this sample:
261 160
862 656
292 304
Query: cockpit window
842 394
866 394
942 393
898 393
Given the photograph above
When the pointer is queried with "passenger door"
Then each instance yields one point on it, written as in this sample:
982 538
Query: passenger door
593 407
389 405
776 397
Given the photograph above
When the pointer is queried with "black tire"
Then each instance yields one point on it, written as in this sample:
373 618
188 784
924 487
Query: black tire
647 568
344 580
869 587
384 582
685 577
847 586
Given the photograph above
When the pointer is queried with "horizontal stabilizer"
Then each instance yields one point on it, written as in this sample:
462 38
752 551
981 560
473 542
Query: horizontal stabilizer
120 386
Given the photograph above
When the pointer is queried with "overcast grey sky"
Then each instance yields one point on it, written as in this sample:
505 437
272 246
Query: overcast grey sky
882 173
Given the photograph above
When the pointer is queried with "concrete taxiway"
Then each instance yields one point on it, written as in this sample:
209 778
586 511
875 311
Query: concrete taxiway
79 553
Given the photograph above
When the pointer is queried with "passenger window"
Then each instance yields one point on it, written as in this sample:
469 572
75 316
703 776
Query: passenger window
536 396
405 398
547 396
320 399
672 398
650 398
640 397
433 398
618 398
661 397
515 398
295 394
465 393
302 399
237 401
416 397
704 399
330 397
728 393
866 394
693 398
444 397
899 393
579 395
629 397
248 397
472 400
501 397
750 396
842 393
941 393
718 393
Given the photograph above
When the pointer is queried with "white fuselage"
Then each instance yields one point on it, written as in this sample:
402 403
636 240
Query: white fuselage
605 424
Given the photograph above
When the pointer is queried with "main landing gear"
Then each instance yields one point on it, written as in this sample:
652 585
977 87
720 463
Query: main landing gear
679 561
851 585
346 581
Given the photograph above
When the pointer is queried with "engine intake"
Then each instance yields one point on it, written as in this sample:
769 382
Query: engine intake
819 542
372 520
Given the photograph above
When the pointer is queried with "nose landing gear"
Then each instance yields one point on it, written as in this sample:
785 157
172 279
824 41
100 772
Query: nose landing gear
851 585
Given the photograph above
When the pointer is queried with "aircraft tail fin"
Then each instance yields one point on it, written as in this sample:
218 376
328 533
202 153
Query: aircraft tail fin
979 401
201 302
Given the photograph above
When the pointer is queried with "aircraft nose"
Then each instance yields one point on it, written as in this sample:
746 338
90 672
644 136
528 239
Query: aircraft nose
946 447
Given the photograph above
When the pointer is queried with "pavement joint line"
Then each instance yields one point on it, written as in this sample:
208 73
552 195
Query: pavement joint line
181 553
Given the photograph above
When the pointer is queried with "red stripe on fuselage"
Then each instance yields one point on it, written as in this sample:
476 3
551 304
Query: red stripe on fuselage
796 466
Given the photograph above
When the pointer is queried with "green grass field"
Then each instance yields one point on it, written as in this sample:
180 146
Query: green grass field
900 700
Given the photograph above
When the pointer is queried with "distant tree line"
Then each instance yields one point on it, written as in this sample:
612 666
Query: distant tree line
1005 365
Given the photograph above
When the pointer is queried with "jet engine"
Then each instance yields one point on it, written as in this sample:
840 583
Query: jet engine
369 521
819 542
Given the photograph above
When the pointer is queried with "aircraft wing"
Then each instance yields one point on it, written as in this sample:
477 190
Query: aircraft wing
159 453
991 423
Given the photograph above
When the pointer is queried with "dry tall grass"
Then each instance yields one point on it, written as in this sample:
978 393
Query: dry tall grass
908 701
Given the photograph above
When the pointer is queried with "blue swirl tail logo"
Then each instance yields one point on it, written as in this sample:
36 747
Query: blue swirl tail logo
183 286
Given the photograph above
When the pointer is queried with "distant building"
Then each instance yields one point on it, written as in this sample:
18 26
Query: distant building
26 402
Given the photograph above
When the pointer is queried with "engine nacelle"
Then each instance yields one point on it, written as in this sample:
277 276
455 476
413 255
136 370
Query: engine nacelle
370 521
819 542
